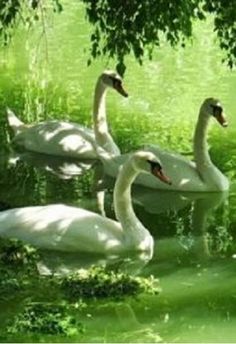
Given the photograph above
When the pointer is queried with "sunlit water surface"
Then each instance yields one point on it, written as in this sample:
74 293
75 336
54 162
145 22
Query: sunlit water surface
194 256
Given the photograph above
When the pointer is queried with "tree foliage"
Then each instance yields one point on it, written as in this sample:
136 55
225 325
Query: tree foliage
121 27
26 11
134 26
225 25
8 13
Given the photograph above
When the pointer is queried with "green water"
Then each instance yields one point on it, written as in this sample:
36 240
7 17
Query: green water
194 234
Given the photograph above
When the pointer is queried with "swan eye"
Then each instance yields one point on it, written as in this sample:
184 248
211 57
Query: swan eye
217 110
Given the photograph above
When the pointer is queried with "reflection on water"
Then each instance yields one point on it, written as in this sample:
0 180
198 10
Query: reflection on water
60 263
62 168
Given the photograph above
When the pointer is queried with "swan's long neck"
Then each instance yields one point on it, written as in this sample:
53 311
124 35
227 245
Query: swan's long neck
123 203
201 155
99 110
102 136
209 173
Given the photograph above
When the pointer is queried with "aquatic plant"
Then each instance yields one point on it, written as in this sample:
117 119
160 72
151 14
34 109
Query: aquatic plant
45 319
15 252
99 282
17 268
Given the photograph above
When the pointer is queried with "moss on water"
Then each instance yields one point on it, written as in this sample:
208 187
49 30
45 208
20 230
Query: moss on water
47 319
98 282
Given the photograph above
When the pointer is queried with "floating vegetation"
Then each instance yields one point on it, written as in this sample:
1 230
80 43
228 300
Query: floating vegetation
45 319
18 273
99 282
60 317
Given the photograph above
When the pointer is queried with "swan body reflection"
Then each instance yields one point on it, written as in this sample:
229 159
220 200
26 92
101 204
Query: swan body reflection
201 216
62 167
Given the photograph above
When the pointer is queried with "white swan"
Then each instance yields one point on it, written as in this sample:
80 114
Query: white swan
67 228
199 176
70 139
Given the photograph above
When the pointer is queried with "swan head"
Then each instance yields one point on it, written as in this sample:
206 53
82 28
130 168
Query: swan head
144 161
113 80
213 107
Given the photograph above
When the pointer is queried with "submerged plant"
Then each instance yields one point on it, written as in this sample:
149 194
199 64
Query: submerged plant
45 319
99 282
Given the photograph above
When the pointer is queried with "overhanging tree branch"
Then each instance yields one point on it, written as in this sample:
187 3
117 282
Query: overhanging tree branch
122 27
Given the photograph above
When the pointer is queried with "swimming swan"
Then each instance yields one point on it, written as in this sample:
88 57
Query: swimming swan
70 139
66 228
199 176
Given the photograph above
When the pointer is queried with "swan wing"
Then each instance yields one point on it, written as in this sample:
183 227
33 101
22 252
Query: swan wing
61 227
58 138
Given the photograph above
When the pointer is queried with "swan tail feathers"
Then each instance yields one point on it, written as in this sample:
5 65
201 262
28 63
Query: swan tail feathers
14 122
